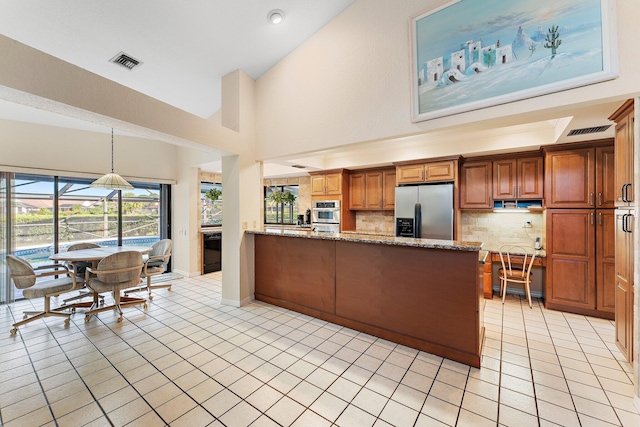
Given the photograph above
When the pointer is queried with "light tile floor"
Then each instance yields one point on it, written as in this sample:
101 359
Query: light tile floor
190 361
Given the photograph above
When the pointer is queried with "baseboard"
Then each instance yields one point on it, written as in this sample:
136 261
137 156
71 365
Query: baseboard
186 273
519 291
235 303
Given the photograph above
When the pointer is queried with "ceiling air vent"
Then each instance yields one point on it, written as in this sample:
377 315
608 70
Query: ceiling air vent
298 166
125 61
585 131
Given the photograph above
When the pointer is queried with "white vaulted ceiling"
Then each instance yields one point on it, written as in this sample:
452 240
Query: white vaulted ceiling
185 46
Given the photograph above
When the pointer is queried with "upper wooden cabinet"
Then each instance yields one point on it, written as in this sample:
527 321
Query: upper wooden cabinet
326 183
624 154
475 185
579 178
520 179
356 190
389 189
605 177
372 189
426 172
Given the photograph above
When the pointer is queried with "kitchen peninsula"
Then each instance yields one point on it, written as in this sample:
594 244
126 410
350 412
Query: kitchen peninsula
423 293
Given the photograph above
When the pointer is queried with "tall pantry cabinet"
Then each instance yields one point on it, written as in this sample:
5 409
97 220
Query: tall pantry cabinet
624 224
579 196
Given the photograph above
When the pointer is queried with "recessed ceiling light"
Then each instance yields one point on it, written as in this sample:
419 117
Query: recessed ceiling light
276 16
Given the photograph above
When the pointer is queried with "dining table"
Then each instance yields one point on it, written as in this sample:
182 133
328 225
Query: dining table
95 255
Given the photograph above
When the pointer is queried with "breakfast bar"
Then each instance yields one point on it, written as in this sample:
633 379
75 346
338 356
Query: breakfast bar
422 293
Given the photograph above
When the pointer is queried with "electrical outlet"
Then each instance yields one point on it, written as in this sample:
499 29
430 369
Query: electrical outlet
527 224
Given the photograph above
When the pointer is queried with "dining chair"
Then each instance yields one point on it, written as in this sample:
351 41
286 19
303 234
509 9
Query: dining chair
79 268
516 271
154 265
56 279
115 273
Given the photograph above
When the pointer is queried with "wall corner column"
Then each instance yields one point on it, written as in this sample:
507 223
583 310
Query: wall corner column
242 195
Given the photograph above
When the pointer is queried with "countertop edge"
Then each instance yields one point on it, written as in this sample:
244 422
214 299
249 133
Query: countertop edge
383 240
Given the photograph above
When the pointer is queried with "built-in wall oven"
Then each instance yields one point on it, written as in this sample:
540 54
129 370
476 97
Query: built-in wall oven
326 216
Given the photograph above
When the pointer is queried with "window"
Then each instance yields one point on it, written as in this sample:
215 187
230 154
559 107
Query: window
210 203
280 212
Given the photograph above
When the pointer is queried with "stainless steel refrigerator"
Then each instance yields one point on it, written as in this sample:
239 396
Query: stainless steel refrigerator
425 211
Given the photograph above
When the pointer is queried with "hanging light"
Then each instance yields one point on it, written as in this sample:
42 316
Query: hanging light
111 181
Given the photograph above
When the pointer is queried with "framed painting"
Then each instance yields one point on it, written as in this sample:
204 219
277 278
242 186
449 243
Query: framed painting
471 54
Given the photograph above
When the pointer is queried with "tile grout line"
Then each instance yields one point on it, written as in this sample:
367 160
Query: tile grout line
526 339
594 373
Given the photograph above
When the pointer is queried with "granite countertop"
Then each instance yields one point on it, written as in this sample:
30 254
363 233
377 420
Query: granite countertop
496 249
211 230
375 239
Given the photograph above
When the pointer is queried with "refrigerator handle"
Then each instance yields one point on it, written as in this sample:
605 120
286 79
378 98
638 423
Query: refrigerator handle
417 220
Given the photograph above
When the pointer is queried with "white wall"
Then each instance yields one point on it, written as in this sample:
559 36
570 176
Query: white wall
350 83
44 147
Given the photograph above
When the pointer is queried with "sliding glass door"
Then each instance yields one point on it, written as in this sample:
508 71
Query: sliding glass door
43 215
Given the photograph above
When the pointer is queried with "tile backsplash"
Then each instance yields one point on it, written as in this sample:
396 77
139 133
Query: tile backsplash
379 222
496 228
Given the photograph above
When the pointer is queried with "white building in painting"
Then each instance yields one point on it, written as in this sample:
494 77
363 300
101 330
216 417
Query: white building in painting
435 69
473 51
458 61
462 61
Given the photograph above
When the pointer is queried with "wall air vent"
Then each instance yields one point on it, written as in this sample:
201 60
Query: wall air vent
298 166
125 61
585 131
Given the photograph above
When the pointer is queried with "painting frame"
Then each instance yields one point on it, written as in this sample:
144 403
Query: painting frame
431 93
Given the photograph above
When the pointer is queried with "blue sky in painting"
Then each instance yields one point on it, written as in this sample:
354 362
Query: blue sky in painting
445 31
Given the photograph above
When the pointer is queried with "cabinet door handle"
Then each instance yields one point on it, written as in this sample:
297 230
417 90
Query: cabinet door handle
514 191
625 192
622 191
599 218
590 199
519 190
625 223
593 218
600 199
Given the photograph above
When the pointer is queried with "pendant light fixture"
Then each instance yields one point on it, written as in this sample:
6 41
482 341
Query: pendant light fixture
111 181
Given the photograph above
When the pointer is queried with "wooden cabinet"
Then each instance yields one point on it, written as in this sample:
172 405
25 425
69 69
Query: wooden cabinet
372 189
605 260
579 178
624 282
570 178
520 179
570 259
475 185
326 184
623 198
426 172
580 257
605 177
356 190
389 189
624 152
